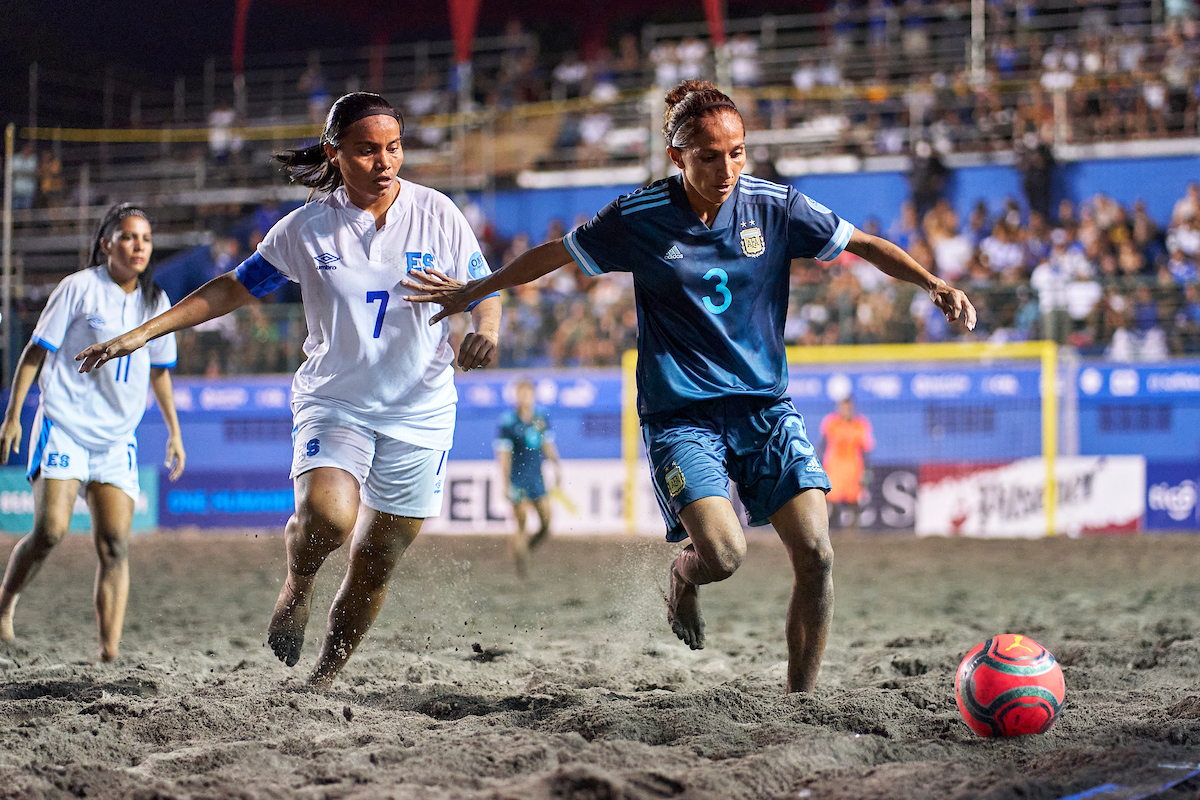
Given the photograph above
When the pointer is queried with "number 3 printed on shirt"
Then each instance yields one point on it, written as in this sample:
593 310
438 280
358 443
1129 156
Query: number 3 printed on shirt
382 297
720 288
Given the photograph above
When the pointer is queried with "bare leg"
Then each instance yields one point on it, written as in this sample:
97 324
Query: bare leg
715 553
379 541
326 507
542 504
53 501
112 517
804 528
520 541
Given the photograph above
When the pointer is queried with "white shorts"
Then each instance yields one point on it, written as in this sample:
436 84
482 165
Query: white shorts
396 477
58 457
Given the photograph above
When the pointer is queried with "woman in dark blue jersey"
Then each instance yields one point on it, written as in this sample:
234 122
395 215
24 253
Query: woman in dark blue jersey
710 252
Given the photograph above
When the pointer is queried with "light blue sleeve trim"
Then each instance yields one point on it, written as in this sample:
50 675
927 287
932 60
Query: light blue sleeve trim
42 343
837 242
502 445
164 366
480 300
577 252
259 276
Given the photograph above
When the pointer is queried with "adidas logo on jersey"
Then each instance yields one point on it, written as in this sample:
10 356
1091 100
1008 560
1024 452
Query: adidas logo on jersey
673 253
813 466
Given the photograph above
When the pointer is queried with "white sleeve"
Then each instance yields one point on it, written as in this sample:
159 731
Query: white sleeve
277 246
467 261
162 350
60 309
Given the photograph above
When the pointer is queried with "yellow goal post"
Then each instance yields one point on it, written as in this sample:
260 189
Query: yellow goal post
1045 352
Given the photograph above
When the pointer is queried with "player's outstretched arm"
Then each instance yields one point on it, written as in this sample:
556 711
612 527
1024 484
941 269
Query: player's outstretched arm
215 298
892 260
27 370
455 296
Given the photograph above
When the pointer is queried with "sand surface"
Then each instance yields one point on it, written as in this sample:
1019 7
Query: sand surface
475 685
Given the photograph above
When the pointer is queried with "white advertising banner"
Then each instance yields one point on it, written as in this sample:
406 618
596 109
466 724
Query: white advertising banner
1096 494
591 501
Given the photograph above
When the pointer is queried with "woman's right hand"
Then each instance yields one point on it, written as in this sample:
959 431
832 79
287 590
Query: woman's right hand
96 355
10 438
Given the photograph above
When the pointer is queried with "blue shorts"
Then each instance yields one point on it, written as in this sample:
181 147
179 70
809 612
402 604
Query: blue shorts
527 488
761 445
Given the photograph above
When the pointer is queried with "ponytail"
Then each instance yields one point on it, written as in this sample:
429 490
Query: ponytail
310 166
112 221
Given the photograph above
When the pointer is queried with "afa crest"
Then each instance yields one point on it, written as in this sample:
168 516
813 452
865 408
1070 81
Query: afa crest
752 242
675 480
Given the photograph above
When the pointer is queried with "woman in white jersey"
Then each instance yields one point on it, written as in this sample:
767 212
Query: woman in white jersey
83 435
374 402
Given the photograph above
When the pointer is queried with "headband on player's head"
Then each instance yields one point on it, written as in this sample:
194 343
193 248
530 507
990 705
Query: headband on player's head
695 112
372 111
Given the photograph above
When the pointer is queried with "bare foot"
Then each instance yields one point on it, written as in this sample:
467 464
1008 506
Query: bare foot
320 683
107 656
285 634
6 629
683 611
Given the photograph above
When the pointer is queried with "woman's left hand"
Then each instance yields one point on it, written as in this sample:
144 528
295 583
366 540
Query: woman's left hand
477 350
953 303
175 457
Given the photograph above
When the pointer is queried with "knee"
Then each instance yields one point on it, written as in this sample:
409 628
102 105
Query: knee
112 549
325 521
726 559
813 558
46 535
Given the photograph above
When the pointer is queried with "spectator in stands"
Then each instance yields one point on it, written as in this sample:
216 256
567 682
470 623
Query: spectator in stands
743 60
926 178
692 55
570 78
1035 161
24 176
312 84
425 101
50 180
221 140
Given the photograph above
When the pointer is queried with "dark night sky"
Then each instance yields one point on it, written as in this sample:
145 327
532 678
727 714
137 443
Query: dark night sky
169 37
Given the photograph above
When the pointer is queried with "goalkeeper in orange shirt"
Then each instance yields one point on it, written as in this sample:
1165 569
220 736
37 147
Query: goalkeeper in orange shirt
844 449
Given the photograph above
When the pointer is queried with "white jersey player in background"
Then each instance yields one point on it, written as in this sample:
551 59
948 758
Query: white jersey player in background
374 404
83 436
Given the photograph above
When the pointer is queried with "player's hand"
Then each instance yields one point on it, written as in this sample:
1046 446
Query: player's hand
10 438
953 303
176 457
433 287
99 354
476 350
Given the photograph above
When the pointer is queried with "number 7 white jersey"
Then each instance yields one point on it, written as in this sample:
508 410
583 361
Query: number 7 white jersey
371 354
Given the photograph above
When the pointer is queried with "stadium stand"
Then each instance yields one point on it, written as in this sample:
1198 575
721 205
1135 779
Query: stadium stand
864 87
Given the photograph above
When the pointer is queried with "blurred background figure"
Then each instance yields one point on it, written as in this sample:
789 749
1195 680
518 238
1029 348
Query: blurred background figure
845 449
523 443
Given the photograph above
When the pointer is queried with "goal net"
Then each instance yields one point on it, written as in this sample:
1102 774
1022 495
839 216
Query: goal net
967 441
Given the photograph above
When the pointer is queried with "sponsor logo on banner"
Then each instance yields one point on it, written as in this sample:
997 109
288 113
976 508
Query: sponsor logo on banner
1096 494
889 501
16 503
592 500
225 499
948 384
1123 382
1172 496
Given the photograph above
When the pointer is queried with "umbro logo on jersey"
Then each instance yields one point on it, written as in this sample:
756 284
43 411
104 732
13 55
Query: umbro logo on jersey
325 261
673 253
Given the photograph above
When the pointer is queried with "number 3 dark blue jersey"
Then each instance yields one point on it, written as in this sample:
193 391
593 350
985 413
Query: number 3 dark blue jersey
711 301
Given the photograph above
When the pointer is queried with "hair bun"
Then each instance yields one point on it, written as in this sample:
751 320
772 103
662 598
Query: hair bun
687 87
